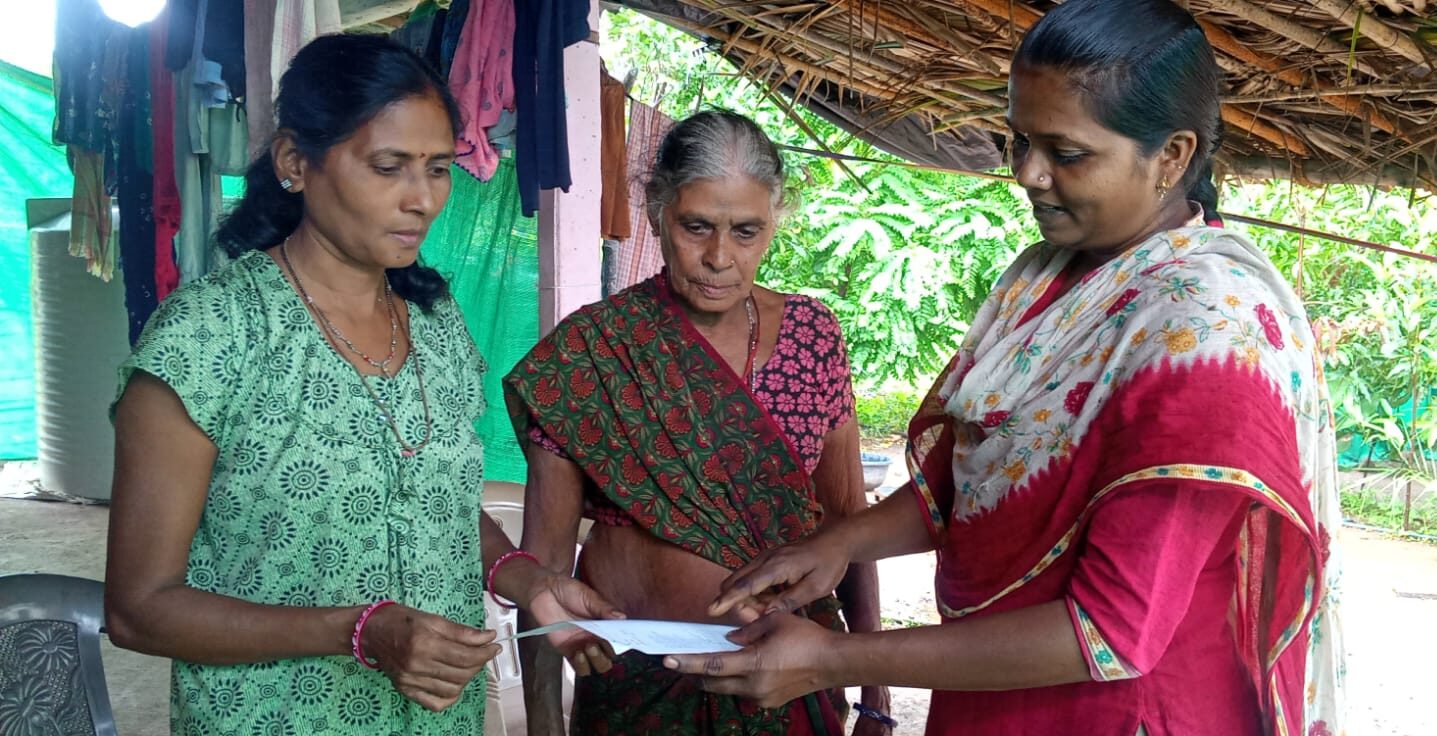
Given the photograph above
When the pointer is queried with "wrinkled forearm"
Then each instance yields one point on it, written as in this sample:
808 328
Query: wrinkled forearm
543 683
858 593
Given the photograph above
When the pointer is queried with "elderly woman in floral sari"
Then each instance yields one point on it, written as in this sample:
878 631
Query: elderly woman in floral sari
699 420
1126 471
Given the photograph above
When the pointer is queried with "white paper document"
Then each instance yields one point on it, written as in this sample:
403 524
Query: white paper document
650 637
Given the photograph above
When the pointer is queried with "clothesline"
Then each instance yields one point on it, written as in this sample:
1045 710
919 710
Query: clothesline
166 93
1259 222
1245 219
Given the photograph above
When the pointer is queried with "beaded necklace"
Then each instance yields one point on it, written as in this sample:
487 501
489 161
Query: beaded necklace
385 411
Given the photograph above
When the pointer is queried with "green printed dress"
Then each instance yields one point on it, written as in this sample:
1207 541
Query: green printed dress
311 501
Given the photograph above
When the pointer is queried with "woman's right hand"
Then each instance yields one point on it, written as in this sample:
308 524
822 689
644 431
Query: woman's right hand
429 658
806 571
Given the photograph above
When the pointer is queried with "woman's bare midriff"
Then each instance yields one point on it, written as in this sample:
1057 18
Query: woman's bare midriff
649 578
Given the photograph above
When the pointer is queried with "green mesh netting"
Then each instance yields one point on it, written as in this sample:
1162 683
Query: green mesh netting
490 254
1359 452
30 167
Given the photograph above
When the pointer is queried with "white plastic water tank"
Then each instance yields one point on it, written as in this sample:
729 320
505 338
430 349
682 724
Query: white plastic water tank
81 335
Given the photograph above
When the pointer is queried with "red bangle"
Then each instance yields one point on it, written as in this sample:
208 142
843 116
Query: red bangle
494 570
359 623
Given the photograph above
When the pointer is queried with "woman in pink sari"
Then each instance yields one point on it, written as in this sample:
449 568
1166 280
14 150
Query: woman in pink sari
1127 471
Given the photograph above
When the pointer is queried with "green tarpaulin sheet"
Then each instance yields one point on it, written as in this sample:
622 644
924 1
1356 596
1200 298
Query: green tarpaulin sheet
480 242
490 254
30 167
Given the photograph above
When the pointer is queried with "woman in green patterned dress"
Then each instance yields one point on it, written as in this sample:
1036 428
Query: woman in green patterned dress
296 514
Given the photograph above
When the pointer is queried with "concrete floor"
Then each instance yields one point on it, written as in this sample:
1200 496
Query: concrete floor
67 539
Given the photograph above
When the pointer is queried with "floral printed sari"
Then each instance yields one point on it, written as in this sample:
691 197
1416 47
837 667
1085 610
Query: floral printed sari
669 434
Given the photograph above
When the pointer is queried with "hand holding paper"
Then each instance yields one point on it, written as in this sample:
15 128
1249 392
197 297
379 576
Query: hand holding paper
782 656
560 598
650 637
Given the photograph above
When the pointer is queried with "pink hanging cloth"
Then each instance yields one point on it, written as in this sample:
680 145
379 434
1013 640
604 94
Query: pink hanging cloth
482 80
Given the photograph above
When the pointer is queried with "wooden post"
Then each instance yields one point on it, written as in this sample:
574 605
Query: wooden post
1407 506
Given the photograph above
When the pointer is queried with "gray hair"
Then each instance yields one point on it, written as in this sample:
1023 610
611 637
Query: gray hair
711 145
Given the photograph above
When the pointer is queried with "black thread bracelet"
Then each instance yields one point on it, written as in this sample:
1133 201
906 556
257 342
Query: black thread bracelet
875 714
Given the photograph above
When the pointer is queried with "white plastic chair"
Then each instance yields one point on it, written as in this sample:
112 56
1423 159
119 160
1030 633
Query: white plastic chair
504 711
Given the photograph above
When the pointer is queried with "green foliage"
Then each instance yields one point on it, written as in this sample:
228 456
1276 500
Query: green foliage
904 256
904 265
679 75
901 623
1387 508
1375 313
886 413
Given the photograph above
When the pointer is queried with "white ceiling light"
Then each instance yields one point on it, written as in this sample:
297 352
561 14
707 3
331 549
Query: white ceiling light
132 12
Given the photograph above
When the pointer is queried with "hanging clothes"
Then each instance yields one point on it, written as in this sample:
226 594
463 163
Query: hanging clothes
166 202
217 124
614 169
208 78
135 185
259 88
199 189
501 133
180 36
223 41
454 22
87 54
296 23
91 219
423 32
481 78
82 36
112 99
542 30
209 141
274 31
638 256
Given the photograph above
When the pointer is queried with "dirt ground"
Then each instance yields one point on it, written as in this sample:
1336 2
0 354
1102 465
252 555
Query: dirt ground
1389 614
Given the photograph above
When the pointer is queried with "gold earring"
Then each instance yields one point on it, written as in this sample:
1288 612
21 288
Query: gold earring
1163 188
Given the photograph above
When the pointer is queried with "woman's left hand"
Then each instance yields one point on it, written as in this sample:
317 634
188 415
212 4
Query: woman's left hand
562 598
784 657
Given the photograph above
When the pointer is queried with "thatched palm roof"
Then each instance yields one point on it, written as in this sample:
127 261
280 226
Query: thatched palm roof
1318 90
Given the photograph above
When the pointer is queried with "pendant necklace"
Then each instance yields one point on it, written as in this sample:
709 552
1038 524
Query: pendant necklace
385 408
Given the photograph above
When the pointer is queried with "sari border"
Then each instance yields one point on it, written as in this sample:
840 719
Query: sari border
1104 663
932 514
1234 477
1205 473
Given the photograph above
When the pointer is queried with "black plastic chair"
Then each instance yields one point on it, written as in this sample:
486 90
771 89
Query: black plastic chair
51 676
